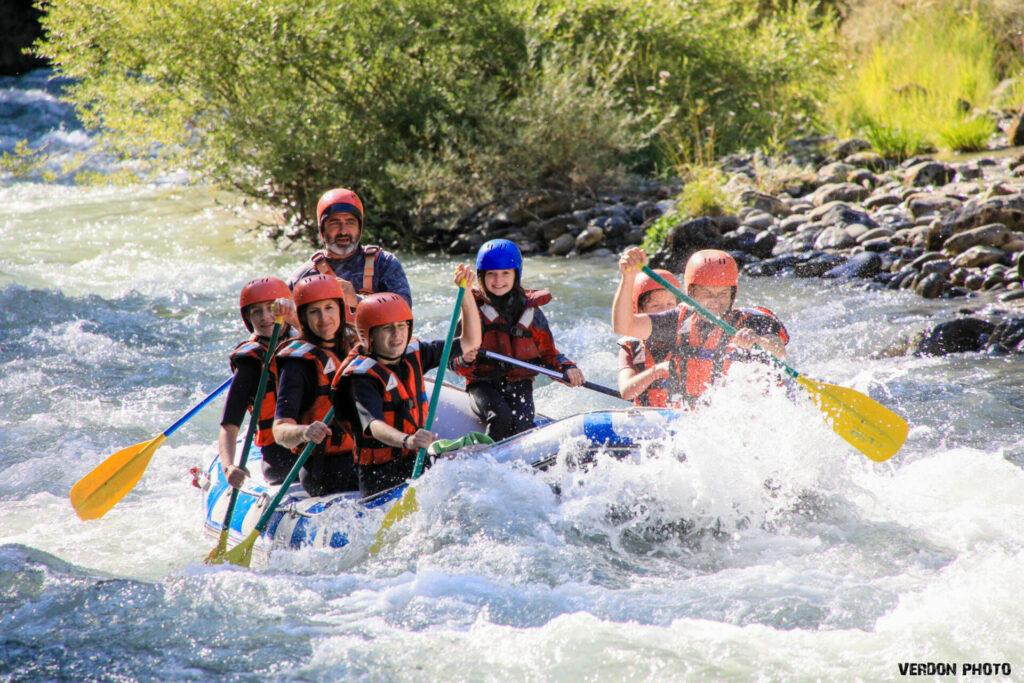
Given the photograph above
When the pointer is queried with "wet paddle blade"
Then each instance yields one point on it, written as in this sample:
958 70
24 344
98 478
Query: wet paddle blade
866 424
101 489
405 506
219 552
241 554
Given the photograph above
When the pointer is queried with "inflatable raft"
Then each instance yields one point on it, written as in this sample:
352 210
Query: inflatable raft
327 522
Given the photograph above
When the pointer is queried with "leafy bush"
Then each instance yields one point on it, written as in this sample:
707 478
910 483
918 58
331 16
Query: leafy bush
916 89
704 194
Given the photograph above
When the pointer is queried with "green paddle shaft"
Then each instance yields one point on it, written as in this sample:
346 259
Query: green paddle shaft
435 396
261 525
711 317
261 390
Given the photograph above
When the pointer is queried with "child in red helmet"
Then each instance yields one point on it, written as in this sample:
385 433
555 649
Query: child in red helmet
513 325
308 366
642 375
383 380
258 308
699 351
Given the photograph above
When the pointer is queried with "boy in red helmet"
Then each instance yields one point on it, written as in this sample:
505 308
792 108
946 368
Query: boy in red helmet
698 351
258 308
642 376
383 380
308 366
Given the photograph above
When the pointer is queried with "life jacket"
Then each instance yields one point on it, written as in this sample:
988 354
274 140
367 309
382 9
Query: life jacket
327 367
702 349
371 253
255 347
514 340
405 402
656 394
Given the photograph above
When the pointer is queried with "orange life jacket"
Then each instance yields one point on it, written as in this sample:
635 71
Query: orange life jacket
327 366
371 253
256 347
500 336
702 351
405 402
656 394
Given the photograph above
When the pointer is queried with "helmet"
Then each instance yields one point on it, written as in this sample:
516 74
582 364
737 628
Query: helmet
500 255
643 284
317 288
382 308
711 268
260 290
338 200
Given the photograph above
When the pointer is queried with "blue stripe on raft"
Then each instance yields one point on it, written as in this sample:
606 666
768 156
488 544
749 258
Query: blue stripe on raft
300 532
242 506
598 429
338 540
275 520
386 498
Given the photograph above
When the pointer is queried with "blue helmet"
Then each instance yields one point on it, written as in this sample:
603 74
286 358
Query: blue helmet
500 255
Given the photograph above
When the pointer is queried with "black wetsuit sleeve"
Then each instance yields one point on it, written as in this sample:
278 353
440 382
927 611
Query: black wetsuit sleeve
366 400
296 389
431 352
242 391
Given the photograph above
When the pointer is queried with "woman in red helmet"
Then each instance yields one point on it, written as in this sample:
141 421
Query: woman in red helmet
699 351
258 308
308 366
384 382
642 374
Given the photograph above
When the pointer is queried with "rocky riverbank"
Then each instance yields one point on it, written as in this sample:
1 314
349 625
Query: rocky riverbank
950 229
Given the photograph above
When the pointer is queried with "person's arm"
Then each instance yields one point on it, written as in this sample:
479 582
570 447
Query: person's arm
226 440
746 338
633 383
385 433
470 325
392 277
368 404
293 386
240 396
624 321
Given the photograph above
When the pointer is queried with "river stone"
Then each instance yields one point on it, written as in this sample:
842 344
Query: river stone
559 225
818 265
634 236
764 202
959 276
856 230
1009 334
931 286
844 192
841 213
942 266
878 245
992 235
924 258
764 243
979 256
866 159
867 264
561 245
851 146
928 173
876 201
834 237
687 237
759 221
955 336
791 223
974 282
836 172
1020 265
1007 209
771 266
1016 295
874 234
589 238
931 204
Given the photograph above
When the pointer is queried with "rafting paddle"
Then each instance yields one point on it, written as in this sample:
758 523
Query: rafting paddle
112 479
241 554
554 374
864 423
407 503
216 555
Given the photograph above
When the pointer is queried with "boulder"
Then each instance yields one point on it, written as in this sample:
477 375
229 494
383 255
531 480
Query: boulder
771 266
791 223
877 201
764 202
1015 135
1009 334
869 160
1005 209
834 237
834 173
561 245
764 243
931 286
844 192
840 213
851 146
874 234
978 257
954 336
992 235
818 265
684 239
559 225
943 267
924 258
931 204
867 264
589 238
928 173
759 221
878 244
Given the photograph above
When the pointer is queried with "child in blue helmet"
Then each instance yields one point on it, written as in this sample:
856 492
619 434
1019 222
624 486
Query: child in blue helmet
513 325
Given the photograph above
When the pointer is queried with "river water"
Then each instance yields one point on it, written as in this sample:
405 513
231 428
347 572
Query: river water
118 308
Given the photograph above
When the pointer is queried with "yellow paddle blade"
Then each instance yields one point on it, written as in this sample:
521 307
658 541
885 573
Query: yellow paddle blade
405 506
241 554
217 555
866 424
98 491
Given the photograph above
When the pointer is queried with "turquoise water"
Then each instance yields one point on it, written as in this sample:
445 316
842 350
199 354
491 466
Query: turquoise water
117 310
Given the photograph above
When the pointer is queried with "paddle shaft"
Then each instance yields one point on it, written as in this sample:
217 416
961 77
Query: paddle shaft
711 317
261 525
199 406
435 395
483 353
254 418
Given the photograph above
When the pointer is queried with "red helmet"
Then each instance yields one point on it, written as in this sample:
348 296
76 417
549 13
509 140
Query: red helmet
711 268
643 283
260 290
339 200
317 288
378 309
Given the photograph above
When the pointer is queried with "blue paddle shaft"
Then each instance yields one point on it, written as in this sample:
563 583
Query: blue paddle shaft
202 404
